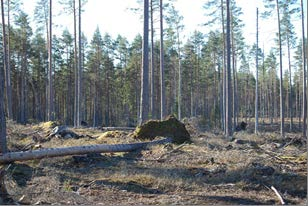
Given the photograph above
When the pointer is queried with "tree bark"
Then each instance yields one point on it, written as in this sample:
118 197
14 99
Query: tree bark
144 97
180 75
152 109
162 80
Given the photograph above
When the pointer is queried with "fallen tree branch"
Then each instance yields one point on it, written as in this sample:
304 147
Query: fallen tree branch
278 195
76 150
174 150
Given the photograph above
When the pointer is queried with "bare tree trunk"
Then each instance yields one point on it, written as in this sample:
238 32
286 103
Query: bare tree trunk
10 106
281 77
23 98
191 93
144 97
265 97
305 125
3 146
79 70
180 77
257 75
162 80
228 80
290 86
234 91
6 67
51 101
223 116
75 65
152 62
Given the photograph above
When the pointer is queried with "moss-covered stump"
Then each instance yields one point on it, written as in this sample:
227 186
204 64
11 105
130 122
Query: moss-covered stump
170 127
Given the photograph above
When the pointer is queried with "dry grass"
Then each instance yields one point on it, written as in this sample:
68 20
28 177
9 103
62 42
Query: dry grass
211 170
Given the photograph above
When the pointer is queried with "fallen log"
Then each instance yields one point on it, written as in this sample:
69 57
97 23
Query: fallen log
119 128
76 150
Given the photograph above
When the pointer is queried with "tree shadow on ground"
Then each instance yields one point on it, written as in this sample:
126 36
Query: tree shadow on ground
20 173
232 200
130 186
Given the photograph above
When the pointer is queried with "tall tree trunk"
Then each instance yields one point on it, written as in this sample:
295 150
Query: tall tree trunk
281 77
51 100
223 116
152 62
290 86
10 106
3 146
191 92
264 88
305 125
162 80
23 88
6 67
228 80
144 97
234 94
180 76
79 71
75 64
257 75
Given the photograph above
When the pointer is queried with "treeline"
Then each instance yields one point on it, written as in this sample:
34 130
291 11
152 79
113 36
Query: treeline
111 72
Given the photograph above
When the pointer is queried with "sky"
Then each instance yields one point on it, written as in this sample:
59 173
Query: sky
114 17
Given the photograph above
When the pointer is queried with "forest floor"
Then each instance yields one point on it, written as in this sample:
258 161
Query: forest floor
210 170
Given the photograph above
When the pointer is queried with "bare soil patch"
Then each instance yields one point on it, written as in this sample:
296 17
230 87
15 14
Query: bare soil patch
210 170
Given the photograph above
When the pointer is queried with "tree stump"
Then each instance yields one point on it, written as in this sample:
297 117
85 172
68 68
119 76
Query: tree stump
170 127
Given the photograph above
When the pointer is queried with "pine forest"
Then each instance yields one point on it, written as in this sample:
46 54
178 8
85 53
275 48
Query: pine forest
212 91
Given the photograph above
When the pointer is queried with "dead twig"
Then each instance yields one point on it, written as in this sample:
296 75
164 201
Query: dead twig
278 195
168 153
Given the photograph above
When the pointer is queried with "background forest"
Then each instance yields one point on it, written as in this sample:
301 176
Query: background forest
98 79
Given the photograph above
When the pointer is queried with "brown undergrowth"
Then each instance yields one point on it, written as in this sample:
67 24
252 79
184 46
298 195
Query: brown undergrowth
210 170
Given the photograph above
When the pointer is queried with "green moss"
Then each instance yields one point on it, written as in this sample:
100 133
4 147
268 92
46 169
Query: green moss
170 127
